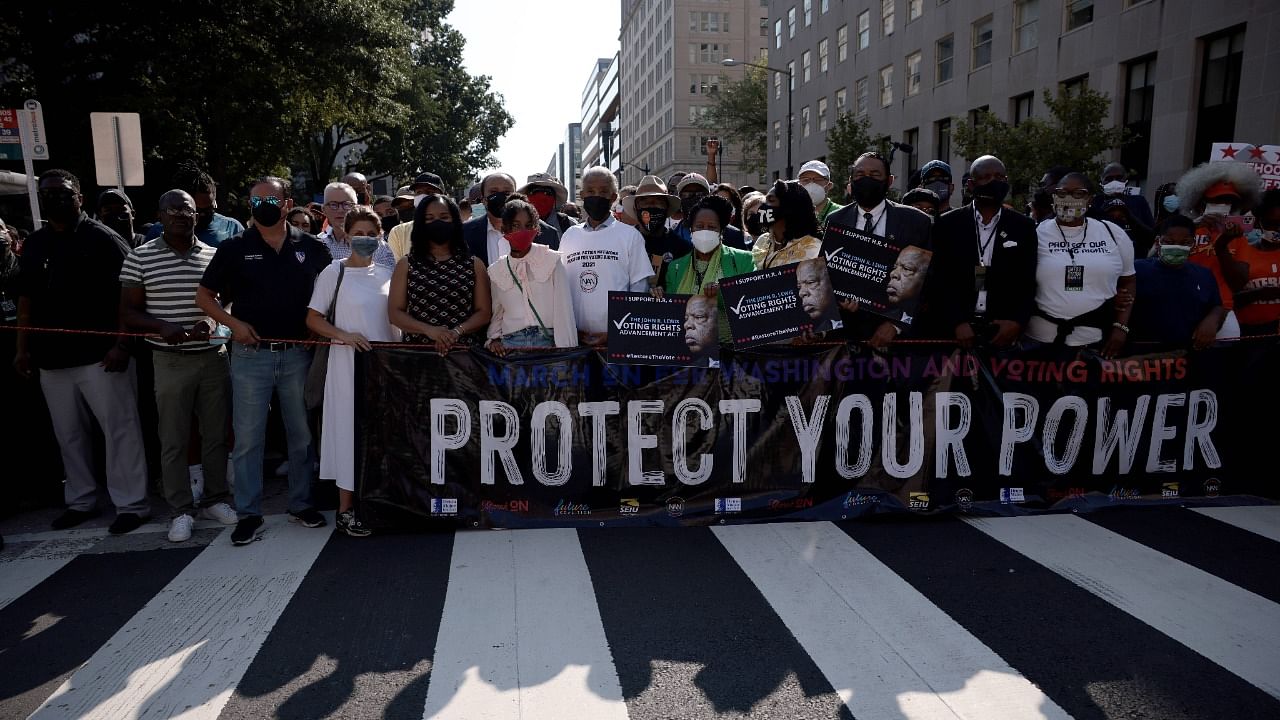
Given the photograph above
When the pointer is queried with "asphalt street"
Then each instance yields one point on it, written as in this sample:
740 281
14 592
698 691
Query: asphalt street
1155 612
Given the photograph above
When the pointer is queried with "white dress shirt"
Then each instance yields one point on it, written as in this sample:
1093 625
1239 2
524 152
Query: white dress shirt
986 234
498 245
877 216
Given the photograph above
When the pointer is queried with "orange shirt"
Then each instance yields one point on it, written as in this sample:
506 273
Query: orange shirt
1203 254
1264 272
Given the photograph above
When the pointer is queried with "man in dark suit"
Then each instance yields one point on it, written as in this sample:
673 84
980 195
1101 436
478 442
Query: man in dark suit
983 282
871 212
484 234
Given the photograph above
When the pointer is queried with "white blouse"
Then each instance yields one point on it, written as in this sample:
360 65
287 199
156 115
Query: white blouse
542 283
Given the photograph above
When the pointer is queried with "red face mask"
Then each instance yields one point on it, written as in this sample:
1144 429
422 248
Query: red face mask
520 240
544 204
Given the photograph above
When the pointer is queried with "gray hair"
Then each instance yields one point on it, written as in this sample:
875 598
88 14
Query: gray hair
1193 184
601 170
342 186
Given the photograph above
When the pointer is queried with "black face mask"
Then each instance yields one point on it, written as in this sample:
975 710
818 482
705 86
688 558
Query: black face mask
405 215
754 227
657 220
389 222
687 203
869 192
61 207
597 208
991 194
765 217
438 232
266 214
204 218
495 202
120 223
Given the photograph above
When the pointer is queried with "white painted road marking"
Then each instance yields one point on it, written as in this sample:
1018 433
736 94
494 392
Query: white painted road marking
886 649
1227 624
1261 520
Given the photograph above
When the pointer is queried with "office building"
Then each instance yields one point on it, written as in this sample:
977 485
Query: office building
600 106
569 159
671 68
1182 74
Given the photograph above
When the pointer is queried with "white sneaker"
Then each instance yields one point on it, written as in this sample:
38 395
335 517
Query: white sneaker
180 528
221 512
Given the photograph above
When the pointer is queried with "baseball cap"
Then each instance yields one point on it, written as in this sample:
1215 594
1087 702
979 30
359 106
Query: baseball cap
935 165
816 166
429 178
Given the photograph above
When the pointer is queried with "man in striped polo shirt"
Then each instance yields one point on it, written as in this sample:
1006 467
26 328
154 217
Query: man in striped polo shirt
158 284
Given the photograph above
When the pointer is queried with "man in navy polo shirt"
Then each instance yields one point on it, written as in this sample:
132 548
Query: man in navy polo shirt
266 274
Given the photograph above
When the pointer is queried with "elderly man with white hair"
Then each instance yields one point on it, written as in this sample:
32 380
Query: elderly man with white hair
339 200
602 255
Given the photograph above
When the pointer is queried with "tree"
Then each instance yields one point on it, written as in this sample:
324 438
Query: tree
246 88
1074 135
848 138
740 114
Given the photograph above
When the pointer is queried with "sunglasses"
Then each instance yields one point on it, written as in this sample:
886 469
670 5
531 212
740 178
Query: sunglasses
180 212
1079 194
255 201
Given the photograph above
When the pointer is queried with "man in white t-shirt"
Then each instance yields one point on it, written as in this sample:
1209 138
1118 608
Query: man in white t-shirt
602 255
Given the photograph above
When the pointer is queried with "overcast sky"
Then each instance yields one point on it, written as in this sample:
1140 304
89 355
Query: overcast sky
539 56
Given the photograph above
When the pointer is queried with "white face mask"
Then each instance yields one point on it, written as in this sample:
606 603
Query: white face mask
817 193
1217 209
418 198
1115 187
704 241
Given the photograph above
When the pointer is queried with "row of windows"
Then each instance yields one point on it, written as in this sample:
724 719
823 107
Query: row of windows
709 22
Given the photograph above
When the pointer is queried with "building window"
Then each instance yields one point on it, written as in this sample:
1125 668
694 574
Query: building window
1139 96
704 84
860 96
981 44
707 53
1026 17
777 85
886 86
791 75
696 112
1075 85
806 62
822 114
842 43
1022 107
842 101
764 27
911 139
946 51
808 13
777 34
886 17
804 121
1219 90
914 9
913 73
826 5
791 22
942 136
777 135
864 29
1079 13
709 22
823 44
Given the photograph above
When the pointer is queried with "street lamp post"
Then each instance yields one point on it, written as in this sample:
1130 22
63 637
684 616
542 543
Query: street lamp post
730 62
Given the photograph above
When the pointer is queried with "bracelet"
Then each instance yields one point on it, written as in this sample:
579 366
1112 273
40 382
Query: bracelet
1120 326
457 332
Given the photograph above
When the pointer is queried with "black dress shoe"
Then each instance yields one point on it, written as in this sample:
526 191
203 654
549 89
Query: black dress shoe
309 518
126 522
72 518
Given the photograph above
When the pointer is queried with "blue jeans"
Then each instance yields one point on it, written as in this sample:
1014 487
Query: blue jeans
531 336
255 372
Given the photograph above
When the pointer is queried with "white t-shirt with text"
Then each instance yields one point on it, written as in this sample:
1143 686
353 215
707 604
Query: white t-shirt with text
611 257
1104 258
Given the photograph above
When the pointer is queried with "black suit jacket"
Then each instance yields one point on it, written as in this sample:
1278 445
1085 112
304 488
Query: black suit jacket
1011 277
476 234
903 224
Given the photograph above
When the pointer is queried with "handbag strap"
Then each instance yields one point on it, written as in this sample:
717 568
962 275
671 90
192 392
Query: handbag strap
333 304
526 297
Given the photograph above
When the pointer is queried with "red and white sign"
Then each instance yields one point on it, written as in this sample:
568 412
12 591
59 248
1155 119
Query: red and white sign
1264 159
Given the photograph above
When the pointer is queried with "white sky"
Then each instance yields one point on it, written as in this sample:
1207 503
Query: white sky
539 56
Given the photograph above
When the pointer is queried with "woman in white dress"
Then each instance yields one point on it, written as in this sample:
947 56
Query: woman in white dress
360 317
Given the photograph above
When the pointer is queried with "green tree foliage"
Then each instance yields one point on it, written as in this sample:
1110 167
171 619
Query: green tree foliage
848 138
245 88
740 116
1074 135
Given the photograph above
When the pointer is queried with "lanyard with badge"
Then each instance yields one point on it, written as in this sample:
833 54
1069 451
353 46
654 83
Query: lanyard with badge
980 270
1073 276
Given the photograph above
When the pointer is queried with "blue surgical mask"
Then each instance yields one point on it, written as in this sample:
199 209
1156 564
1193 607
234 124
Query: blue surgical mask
1171 203
364 246
478 209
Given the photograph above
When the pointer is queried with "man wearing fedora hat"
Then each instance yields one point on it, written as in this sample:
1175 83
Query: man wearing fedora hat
547 195
651 206
484 234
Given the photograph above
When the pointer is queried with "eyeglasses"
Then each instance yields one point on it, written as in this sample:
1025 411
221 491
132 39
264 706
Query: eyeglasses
256 200
56 194
179 212
344 205
1078 194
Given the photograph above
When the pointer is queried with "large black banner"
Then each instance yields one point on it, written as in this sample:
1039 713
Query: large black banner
806 433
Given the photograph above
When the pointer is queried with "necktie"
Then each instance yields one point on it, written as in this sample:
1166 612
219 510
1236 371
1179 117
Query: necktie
869 226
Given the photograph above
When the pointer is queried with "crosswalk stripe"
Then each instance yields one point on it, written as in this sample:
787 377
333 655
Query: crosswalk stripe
35 565
841 602
692 636
1167 594
185 651
521 636
1263 520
